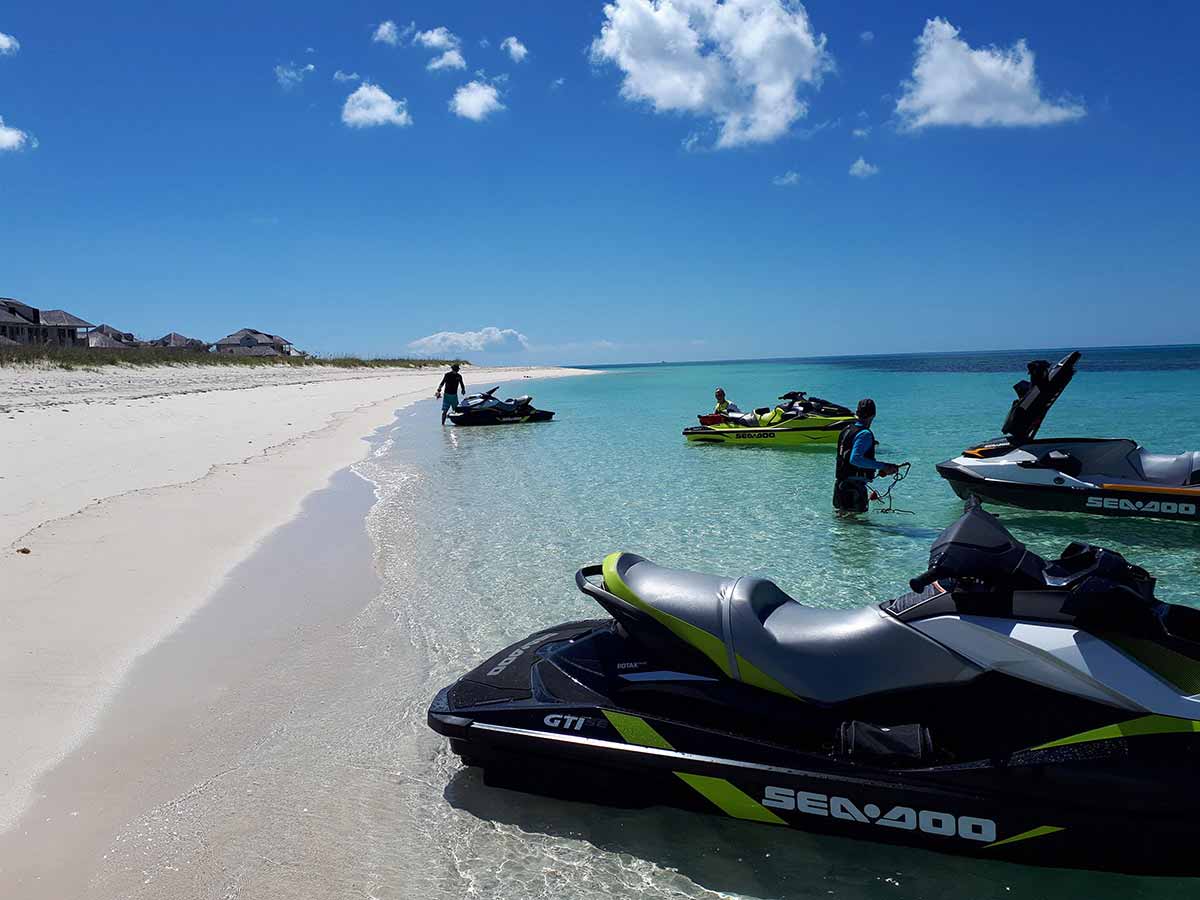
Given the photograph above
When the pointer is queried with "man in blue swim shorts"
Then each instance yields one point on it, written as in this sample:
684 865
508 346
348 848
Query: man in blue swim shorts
449 389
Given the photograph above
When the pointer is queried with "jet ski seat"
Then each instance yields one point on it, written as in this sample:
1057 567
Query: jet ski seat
756 633
1163 468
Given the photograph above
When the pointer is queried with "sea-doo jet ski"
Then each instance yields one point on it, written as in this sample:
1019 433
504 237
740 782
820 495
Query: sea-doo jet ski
1006 707
486 409
1109 476
797 421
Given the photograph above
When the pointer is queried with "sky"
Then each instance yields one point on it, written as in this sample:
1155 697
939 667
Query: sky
582 182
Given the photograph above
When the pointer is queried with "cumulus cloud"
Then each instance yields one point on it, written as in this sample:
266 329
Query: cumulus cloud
863 132
8 44
291 75
440 38
860 168
953 84
514 48
740 63
476 101
14 138
371 105
391 34
557 83
339 75
451 59
490 339
787 179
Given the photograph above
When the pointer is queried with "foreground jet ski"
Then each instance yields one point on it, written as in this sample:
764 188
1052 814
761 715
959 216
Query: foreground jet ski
798 421
485 409
1109 476
1007 707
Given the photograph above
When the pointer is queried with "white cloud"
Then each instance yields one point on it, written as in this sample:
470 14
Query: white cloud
391 34
339 75
863 132
738 62
440 38
514 48
451 59
8 44
557 83
490 339
953 84
860 168
14 138
787 179
476 101
291 75
867 37
484 43
691 143
371 105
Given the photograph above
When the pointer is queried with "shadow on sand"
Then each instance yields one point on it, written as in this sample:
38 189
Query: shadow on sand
739 858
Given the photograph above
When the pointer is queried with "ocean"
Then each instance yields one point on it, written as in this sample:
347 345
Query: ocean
478 532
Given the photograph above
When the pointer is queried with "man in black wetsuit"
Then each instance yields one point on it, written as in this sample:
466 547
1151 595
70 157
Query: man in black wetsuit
856 462
451 386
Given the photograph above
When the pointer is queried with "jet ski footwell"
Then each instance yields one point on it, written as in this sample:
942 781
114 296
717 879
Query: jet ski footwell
508 718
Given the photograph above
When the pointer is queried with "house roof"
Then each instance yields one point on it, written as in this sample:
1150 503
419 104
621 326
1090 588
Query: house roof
260 337
60 318
115 333
99 340
175 339
8 318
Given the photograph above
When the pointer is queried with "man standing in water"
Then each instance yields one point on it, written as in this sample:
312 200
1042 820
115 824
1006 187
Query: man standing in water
856 462
451 386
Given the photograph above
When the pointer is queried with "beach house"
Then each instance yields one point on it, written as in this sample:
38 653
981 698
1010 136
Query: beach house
177 341
105 337
25 324
250 342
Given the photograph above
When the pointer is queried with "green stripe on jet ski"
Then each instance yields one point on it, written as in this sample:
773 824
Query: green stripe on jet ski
710 646
1040 831
1142 727
637 730
728 798
753 675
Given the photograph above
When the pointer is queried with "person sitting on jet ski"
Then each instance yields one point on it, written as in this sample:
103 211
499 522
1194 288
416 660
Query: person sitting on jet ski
724 407
856 462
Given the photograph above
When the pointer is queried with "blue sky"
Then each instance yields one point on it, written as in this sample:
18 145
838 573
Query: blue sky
651 180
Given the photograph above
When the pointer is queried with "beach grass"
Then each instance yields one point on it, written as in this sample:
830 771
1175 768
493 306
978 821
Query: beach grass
85 358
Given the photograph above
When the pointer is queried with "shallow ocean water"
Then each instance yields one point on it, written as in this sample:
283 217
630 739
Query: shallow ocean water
478 533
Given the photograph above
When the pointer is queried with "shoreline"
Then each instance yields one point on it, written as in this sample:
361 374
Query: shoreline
163 503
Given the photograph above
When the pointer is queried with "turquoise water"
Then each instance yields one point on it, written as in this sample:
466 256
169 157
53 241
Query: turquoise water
479 532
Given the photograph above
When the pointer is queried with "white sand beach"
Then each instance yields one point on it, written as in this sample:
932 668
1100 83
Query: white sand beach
129 493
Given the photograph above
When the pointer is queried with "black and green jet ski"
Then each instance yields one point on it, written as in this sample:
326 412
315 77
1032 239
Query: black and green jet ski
797 421
1006 707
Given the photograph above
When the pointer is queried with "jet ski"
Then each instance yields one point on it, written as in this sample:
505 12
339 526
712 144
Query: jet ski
798 421
1005 707
1107 476
486 409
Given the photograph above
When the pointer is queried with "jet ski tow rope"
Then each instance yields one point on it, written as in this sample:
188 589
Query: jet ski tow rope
886 496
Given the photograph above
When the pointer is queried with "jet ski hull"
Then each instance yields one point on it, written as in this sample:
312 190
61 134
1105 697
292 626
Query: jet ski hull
1028 489
806 432
532 726
490 417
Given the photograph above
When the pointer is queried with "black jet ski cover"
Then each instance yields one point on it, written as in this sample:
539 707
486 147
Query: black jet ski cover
1037 395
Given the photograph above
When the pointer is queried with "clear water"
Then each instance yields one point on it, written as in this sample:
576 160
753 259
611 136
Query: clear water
479 531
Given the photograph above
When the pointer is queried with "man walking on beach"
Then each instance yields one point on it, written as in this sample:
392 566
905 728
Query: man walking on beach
856 462
451 386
